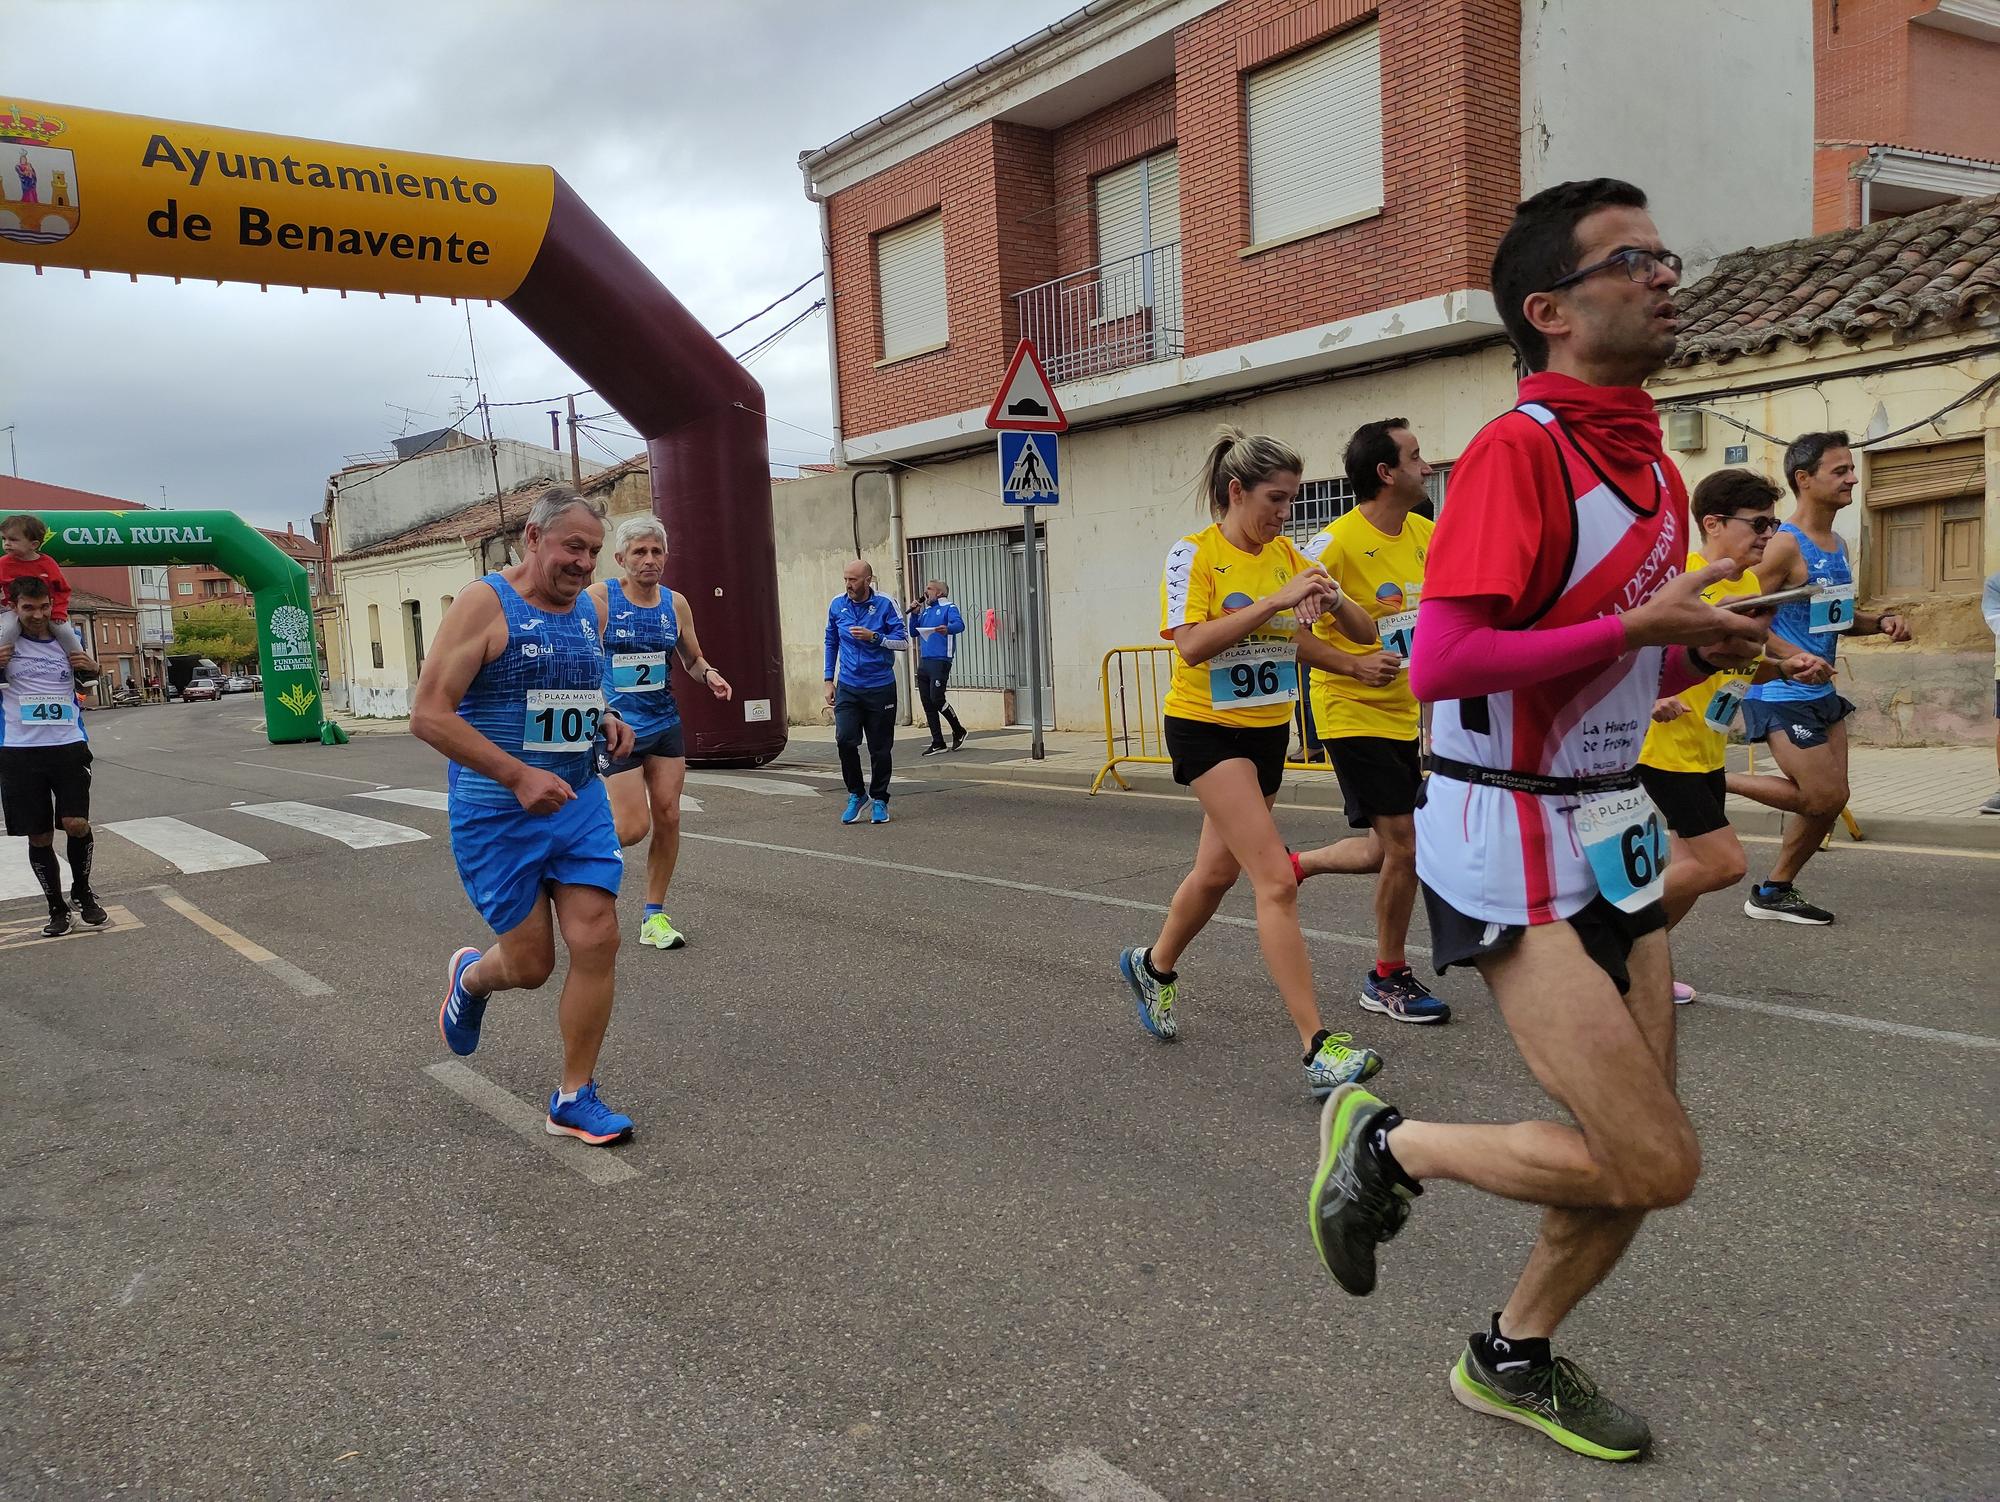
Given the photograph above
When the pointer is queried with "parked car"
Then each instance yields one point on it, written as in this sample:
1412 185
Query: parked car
202 688
236 683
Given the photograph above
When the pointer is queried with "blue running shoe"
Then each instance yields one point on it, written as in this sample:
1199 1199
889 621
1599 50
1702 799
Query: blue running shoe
1155 996
462 1012
878 812
1403 997
852 813
586 1118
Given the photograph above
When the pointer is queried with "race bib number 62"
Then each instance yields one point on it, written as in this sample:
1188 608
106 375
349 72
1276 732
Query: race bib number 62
1625 840
561 719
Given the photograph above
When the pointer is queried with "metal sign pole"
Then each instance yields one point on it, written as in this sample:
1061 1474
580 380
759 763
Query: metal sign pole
1032 559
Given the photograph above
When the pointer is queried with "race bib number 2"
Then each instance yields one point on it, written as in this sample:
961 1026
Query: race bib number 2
48 711
639 672
1252 673
1832 609
561 719
1625 841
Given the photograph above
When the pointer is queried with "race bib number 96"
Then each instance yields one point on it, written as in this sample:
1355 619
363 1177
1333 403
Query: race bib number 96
561 719
1252 673
639 672
1625 840
48 711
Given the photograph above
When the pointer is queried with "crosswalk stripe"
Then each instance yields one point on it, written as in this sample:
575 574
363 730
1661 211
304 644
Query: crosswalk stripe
770 787
355 831
187 846
412 797
17 877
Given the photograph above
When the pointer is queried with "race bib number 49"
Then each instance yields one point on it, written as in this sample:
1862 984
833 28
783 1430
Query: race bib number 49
48 711
1252 673
639 672
1625 841
561 719
1832 609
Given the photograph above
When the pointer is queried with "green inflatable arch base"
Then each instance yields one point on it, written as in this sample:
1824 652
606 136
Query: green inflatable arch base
286 653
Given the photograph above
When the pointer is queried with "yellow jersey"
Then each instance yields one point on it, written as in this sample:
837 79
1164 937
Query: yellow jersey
1386 575
1696 742
1256 682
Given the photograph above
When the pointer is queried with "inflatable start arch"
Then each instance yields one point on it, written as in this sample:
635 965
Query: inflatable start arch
106 192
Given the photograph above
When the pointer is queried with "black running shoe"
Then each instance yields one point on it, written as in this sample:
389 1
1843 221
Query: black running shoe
89 908
958 739
58 923
1785 905
1355 1202
937 750
1556 1397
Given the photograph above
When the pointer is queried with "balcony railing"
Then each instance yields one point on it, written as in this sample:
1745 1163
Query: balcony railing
1107 318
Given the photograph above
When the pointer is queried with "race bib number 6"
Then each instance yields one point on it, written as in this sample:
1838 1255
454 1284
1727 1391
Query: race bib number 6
1252 673
639 672
561 719
48 711
1832 609
1625 841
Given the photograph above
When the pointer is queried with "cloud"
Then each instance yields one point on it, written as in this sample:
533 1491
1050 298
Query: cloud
679 124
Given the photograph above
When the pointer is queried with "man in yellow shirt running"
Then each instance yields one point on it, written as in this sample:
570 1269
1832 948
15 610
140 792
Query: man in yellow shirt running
1681 763
1362 704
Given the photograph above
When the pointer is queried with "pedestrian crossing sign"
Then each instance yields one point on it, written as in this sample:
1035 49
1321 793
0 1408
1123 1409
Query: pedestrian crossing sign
1028 474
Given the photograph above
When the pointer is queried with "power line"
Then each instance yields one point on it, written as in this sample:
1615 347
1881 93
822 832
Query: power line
764 345
914 469
769 306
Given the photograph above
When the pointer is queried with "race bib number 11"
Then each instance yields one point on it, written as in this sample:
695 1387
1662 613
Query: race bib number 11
1398 632
561 719
1625 841
1252 673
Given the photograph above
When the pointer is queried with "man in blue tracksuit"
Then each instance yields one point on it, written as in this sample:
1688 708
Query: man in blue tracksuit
937 624
863 630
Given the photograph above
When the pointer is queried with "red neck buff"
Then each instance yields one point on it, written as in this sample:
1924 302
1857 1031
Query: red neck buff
1618 425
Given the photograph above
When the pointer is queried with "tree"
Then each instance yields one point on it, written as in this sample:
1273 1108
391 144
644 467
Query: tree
227 633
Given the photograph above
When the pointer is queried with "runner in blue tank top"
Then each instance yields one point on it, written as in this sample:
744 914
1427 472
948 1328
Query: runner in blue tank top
647 627
1805 725
512 693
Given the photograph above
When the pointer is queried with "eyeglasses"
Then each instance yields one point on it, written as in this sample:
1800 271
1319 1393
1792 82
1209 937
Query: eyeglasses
1760 524
1640 265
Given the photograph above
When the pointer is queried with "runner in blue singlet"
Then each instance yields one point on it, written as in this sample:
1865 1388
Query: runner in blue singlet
512 693
646 628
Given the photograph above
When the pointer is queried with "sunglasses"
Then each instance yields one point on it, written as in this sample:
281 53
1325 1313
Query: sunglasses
1761 523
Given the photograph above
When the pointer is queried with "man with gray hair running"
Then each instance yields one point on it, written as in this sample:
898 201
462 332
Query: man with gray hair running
513 694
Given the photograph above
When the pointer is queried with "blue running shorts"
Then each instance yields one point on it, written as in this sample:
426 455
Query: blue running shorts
505 855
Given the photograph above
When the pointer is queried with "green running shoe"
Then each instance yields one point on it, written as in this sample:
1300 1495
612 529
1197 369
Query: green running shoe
1559 1399
1336 1064
660 933
1355 1203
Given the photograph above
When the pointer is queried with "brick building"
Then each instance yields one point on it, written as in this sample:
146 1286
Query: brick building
1904 112
197 584
1266 212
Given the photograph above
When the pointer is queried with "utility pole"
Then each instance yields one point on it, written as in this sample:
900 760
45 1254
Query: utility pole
555 429
575 463
13 460
486 421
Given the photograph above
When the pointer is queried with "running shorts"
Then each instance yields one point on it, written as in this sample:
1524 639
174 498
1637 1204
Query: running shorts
1379 776
1607 934
1197 746
506 856
1805 721
41 784
666 742
1691 801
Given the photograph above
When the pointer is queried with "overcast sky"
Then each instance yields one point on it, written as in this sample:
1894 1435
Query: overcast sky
678 121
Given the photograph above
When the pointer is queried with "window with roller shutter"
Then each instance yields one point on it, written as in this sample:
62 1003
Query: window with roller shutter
1315 134
1926 519
1137 212
909 285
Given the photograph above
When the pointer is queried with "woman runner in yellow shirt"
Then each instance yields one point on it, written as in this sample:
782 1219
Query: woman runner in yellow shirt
1681 762
1235 600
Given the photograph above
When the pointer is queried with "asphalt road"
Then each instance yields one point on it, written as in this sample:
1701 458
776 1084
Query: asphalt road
914 1208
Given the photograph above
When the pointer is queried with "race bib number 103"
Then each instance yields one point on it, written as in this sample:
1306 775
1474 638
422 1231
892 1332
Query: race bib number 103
561 719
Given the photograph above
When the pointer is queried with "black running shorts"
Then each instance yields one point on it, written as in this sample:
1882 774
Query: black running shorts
1607 934
1378 776
1196 746
41 784
1691 801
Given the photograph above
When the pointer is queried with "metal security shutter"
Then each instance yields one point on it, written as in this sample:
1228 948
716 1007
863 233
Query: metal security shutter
1138 208
909 275
1316 136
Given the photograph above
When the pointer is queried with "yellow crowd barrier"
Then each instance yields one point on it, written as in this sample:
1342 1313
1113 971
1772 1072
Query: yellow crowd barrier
1135 682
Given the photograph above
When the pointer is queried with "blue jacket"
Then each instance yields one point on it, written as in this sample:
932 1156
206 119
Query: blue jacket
864 664
938 644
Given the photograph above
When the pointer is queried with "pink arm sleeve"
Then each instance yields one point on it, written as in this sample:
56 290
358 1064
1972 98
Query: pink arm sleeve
1677 673
1461 654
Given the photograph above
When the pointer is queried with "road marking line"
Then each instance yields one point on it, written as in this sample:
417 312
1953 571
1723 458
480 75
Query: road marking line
770 787
25 933
1844 844
412 797
792 771
366 782
1100 898
468 1084
17 877
1085 1476
185 846
250 949
1841 1019
356 831
1803 1014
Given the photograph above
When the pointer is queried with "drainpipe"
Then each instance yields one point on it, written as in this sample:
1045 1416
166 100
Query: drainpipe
832 344
896 546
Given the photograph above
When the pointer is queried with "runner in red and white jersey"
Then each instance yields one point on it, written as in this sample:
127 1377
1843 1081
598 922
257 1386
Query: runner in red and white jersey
1554 615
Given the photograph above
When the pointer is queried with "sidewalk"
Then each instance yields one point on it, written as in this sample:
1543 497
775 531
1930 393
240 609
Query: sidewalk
1919 795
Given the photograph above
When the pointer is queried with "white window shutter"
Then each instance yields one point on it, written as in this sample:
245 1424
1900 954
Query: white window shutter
1316 136
909 272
